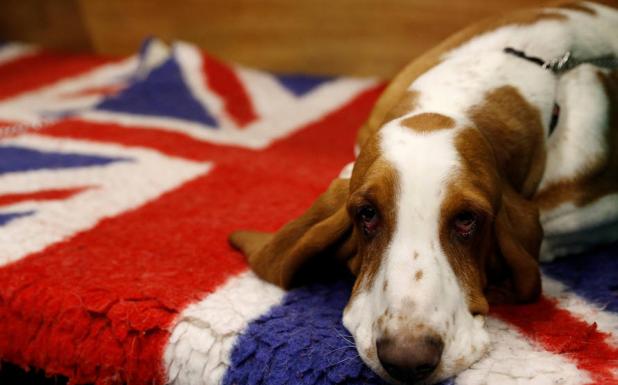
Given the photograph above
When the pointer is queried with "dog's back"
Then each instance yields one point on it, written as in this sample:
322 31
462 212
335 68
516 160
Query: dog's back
576 184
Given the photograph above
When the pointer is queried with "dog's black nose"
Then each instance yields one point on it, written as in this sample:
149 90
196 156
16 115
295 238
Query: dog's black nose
410 360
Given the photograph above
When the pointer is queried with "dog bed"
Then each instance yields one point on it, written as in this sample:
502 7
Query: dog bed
120 180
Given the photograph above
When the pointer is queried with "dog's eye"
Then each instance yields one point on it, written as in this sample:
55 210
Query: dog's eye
368 218
465 224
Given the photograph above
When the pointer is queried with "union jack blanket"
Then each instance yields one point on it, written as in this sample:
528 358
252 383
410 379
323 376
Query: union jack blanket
120 180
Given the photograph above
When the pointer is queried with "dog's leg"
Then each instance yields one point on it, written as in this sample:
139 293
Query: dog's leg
581 228
578 195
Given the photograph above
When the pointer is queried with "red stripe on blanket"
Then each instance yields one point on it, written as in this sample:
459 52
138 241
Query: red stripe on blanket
102 313
5 131
33 71
167 142
223 80
43 195
97 91
560 332
6 123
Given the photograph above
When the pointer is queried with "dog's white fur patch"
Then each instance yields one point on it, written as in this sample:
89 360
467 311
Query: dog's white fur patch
436 302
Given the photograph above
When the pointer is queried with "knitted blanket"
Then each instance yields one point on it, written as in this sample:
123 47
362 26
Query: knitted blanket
120 180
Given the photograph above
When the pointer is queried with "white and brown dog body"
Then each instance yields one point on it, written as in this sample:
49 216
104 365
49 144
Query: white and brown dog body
457 171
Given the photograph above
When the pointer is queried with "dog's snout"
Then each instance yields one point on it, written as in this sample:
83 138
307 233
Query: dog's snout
410 360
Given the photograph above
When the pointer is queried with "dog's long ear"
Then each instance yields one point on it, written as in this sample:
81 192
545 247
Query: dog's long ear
518 235
323 230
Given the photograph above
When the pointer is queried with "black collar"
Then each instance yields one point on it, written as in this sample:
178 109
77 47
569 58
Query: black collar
566 62
560 65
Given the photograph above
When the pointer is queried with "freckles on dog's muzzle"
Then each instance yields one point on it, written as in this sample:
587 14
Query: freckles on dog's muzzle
410 359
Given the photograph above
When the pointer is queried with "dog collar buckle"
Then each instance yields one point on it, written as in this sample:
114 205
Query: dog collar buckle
560 64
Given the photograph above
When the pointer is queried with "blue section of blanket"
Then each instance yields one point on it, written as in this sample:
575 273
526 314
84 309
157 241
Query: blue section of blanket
19 159
301 341
7 217
300 85
163 93
592 275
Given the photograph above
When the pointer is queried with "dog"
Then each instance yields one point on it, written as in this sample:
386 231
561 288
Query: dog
495 148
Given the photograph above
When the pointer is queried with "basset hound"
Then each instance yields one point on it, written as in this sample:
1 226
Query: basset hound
496 147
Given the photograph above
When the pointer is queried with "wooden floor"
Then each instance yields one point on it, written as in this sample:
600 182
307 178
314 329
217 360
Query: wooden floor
361 37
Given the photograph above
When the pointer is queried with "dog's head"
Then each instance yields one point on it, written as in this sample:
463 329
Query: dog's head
433 228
